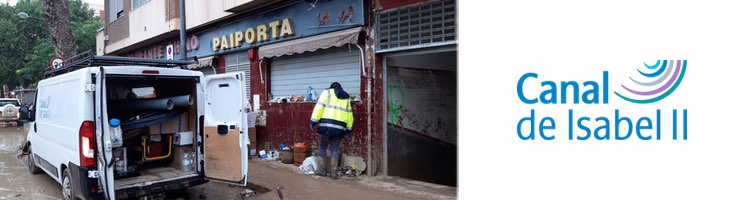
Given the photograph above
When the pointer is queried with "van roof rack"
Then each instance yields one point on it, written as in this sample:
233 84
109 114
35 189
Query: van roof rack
88 59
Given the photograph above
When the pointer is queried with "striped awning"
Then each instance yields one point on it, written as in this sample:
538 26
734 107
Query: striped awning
203 62
322 41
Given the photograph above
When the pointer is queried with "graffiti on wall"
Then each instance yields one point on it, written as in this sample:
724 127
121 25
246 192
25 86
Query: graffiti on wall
423 101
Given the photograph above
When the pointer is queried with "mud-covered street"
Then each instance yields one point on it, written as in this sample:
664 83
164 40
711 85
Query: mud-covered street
266 180
15 180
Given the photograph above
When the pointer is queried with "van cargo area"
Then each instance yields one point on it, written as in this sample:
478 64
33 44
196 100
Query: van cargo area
156 139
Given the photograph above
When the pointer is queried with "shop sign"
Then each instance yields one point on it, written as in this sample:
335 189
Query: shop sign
262 33
161 51
301 19
297 20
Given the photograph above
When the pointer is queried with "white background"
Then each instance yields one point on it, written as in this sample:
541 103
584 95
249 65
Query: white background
500 41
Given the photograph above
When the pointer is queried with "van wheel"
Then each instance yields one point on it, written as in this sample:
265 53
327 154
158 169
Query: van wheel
30 162
67 194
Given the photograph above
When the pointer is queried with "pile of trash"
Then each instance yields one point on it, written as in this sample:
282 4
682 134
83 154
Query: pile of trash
351 171
313 165
285 155
269 155
351 166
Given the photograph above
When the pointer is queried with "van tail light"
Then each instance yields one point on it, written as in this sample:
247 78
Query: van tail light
87 144
150 72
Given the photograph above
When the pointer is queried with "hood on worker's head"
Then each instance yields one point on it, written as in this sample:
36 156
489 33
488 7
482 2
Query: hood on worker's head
340 93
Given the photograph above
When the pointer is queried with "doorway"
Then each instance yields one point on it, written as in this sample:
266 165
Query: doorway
421 115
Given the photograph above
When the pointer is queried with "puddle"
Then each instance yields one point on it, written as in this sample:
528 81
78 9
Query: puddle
257 189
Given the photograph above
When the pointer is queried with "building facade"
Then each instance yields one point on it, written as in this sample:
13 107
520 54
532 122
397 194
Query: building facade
400 69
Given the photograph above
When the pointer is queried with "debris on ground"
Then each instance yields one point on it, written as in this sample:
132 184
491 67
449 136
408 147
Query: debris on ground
278 191
351 171
269 155
354 160
312 165
248 193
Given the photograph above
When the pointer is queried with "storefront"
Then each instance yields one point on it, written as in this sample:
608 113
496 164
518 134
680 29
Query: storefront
290 33
398 62
284 50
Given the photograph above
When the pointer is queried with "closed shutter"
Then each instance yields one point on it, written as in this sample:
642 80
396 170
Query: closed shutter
239 62
428 24
292 75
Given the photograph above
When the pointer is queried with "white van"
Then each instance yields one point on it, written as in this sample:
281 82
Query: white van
177 128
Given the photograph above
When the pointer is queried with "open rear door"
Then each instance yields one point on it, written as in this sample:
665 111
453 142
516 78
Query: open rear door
103 141
225 128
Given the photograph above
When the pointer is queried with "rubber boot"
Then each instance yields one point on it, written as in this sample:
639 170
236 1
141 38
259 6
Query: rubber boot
333 167
324 165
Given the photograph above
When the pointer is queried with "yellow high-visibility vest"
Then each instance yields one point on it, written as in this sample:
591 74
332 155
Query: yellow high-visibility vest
333 113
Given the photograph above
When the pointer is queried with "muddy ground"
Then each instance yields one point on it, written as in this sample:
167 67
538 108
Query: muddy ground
266 179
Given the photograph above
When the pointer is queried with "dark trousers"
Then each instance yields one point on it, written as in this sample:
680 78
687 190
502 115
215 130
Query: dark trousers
324 141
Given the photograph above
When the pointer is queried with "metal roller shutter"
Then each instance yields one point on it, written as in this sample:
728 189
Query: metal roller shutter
428 24
239 62
292 75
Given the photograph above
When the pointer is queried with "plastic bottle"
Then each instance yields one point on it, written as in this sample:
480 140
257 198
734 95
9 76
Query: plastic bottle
311 96
186 162
116 132
192 160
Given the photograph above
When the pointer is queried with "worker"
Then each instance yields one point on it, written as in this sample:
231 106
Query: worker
334 117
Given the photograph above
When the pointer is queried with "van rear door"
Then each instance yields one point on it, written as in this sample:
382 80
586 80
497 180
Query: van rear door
103 141
225 128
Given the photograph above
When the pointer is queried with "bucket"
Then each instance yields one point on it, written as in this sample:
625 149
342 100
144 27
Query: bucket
300 153
286 156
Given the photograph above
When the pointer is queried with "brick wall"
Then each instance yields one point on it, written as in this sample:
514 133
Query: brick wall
172 9
119 29
289 123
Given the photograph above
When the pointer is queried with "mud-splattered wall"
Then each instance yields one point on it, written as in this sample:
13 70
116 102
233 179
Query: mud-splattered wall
424 101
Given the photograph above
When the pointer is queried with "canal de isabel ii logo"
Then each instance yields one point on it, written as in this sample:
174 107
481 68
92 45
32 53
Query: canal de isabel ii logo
656 84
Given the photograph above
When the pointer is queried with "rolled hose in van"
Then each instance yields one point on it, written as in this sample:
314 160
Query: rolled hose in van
167 103
184 100
145 104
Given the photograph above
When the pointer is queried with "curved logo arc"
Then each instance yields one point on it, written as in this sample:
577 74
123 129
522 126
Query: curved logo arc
663 80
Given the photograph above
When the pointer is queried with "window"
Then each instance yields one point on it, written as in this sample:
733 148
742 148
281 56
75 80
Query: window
137 3
293 75
8 102
115 10
236 62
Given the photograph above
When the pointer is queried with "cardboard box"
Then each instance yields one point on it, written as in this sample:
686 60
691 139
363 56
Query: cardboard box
174 125
183 138
253 143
